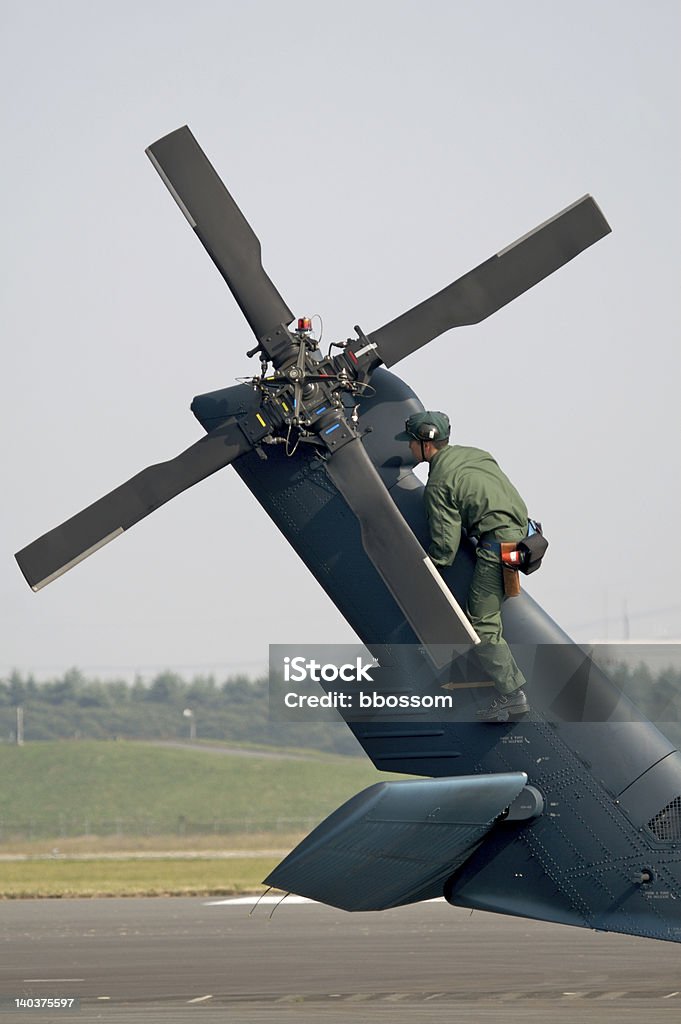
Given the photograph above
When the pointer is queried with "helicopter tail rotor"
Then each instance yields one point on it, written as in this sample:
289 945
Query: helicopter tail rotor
306 399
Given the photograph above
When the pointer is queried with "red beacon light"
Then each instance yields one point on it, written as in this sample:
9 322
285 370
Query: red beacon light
304 325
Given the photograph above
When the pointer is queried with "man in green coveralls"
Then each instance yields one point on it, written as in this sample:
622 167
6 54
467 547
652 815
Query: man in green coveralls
467 490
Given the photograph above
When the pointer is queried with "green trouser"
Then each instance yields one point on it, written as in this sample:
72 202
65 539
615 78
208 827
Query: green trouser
485 598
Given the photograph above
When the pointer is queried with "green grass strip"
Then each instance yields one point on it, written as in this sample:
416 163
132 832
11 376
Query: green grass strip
163 877
74 788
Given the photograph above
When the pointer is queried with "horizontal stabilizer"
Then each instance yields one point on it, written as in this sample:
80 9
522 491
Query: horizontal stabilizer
396 842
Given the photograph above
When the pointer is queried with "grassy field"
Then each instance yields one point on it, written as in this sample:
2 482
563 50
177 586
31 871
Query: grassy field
133 877
18 848
55 789
125 818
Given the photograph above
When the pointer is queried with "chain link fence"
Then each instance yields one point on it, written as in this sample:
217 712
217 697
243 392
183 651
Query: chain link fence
62 827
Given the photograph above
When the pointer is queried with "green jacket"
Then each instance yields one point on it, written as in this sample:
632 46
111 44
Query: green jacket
466 488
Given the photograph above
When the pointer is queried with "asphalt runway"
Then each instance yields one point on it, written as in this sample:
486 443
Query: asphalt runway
177 960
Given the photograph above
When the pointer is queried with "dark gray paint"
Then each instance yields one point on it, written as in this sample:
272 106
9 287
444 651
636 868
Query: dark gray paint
396 842
584 746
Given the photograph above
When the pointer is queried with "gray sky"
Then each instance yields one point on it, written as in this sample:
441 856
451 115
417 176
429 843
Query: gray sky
380 150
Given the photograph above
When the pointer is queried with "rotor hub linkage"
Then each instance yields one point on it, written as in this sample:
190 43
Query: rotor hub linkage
305 392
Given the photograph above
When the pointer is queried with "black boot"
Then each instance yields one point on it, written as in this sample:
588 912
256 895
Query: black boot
503 707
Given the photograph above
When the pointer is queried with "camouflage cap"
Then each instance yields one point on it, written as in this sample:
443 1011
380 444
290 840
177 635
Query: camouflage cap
425 426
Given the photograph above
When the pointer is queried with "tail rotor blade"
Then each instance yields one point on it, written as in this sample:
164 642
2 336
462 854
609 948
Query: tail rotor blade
407 571
59 550
493 284
224 231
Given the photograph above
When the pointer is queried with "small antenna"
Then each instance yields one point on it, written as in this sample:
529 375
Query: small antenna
257 902
276 907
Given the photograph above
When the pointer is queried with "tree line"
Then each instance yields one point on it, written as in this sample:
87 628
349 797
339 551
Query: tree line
73 706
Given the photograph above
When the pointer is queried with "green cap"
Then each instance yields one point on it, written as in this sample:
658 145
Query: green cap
425 426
